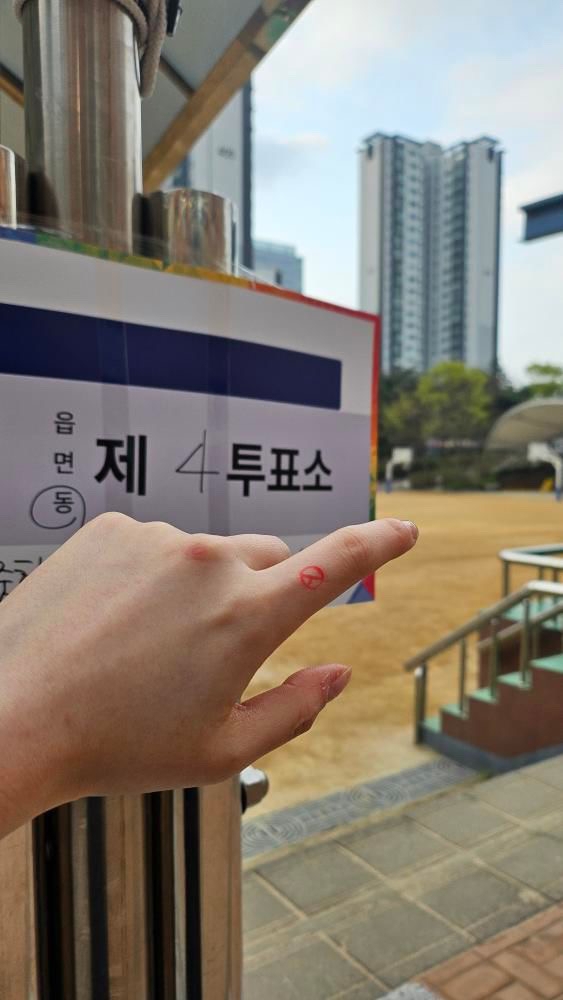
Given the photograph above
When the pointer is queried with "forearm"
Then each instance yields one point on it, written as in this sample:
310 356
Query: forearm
30 775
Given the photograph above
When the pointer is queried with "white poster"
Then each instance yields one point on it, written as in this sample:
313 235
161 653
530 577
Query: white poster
211 405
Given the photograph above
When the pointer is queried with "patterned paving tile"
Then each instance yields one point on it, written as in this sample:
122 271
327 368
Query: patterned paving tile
289 826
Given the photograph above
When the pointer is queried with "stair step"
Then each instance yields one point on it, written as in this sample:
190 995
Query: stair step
454 710
433 724
484 694
514 680
516 614
554 663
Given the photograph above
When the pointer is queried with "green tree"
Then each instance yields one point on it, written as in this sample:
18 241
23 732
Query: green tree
404 422
545 379
504 394
455 402
395 423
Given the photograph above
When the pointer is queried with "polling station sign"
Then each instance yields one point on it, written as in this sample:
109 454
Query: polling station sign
215 404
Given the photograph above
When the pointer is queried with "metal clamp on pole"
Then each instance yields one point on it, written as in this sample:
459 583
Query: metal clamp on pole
174 11
254 787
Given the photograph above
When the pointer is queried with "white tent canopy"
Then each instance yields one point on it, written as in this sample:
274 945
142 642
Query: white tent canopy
535 420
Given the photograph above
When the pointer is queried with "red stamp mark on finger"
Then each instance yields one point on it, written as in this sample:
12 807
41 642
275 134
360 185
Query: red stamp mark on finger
312 577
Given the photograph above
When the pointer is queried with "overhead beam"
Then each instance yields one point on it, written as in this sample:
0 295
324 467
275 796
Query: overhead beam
168 70
228 75
11 85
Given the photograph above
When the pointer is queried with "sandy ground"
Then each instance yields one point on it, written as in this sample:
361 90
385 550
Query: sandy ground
452 573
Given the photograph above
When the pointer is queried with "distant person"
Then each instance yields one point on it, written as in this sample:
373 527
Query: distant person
126 654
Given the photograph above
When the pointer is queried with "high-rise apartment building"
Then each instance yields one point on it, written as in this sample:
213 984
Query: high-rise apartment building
429 249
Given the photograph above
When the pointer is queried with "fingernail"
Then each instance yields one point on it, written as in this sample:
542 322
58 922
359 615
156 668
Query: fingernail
338 683
413 529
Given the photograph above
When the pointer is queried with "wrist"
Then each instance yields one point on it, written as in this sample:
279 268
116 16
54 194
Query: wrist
31 768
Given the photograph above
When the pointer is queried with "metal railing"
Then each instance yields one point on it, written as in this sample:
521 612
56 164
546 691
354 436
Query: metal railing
527 629
542 557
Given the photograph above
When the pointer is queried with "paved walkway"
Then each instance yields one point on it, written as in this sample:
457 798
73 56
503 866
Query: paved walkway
357 912
524 963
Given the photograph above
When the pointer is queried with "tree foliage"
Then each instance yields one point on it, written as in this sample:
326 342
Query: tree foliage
545 379
455 402
449 402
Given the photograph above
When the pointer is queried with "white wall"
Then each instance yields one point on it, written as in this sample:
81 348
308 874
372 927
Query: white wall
370 223
216 160
481 256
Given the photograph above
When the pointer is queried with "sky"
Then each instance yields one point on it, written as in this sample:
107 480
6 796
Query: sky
444 70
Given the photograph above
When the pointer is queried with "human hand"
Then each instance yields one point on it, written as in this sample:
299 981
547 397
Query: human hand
126 654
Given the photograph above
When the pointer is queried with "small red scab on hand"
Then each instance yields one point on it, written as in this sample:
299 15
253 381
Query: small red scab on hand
312 577
198 551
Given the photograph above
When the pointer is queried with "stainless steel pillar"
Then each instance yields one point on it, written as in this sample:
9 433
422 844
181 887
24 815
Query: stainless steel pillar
13 194
83 119
191 227
93 878
198 228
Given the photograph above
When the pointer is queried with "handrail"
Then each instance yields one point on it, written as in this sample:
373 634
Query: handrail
542 557
538 550
514 630
482 619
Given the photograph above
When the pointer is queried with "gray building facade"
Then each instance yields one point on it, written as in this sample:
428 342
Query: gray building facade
221 162
278 264
430 248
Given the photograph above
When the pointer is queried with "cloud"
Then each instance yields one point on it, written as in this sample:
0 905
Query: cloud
437 69
531 306
282 156
517 99
336 43
333 44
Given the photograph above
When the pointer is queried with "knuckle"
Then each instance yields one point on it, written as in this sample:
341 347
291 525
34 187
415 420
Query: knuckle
158 526
354 548
206 547
277 544
111 520
282 547
161 532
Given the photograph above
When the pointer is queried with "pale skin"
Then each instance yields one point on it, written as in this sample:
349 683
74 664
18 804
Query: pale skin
125 657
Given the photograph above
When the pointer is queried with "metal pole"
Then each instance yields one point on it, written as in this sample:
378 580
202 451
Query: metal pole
13 195
83 119
525 642
505 578
462 673
198 229
420 678
83 135
493 678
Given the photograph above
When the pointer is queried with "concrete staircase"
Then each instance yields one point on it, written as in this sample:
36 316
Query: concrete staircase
521 718
520 722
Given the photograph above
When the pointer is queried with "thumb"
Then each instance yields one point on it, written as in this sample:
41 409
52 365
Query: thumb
275 717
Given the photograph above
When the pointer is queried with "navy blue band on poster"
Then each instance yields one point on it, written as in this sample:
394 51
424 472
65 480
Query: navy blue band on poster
48 344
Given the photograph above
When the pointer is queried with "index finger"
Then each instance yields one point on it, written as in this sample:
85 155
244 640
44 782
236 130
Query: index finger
313 578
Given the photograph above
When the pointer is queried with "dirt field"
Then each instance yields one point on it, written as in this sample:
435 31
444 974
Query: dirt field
452 573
